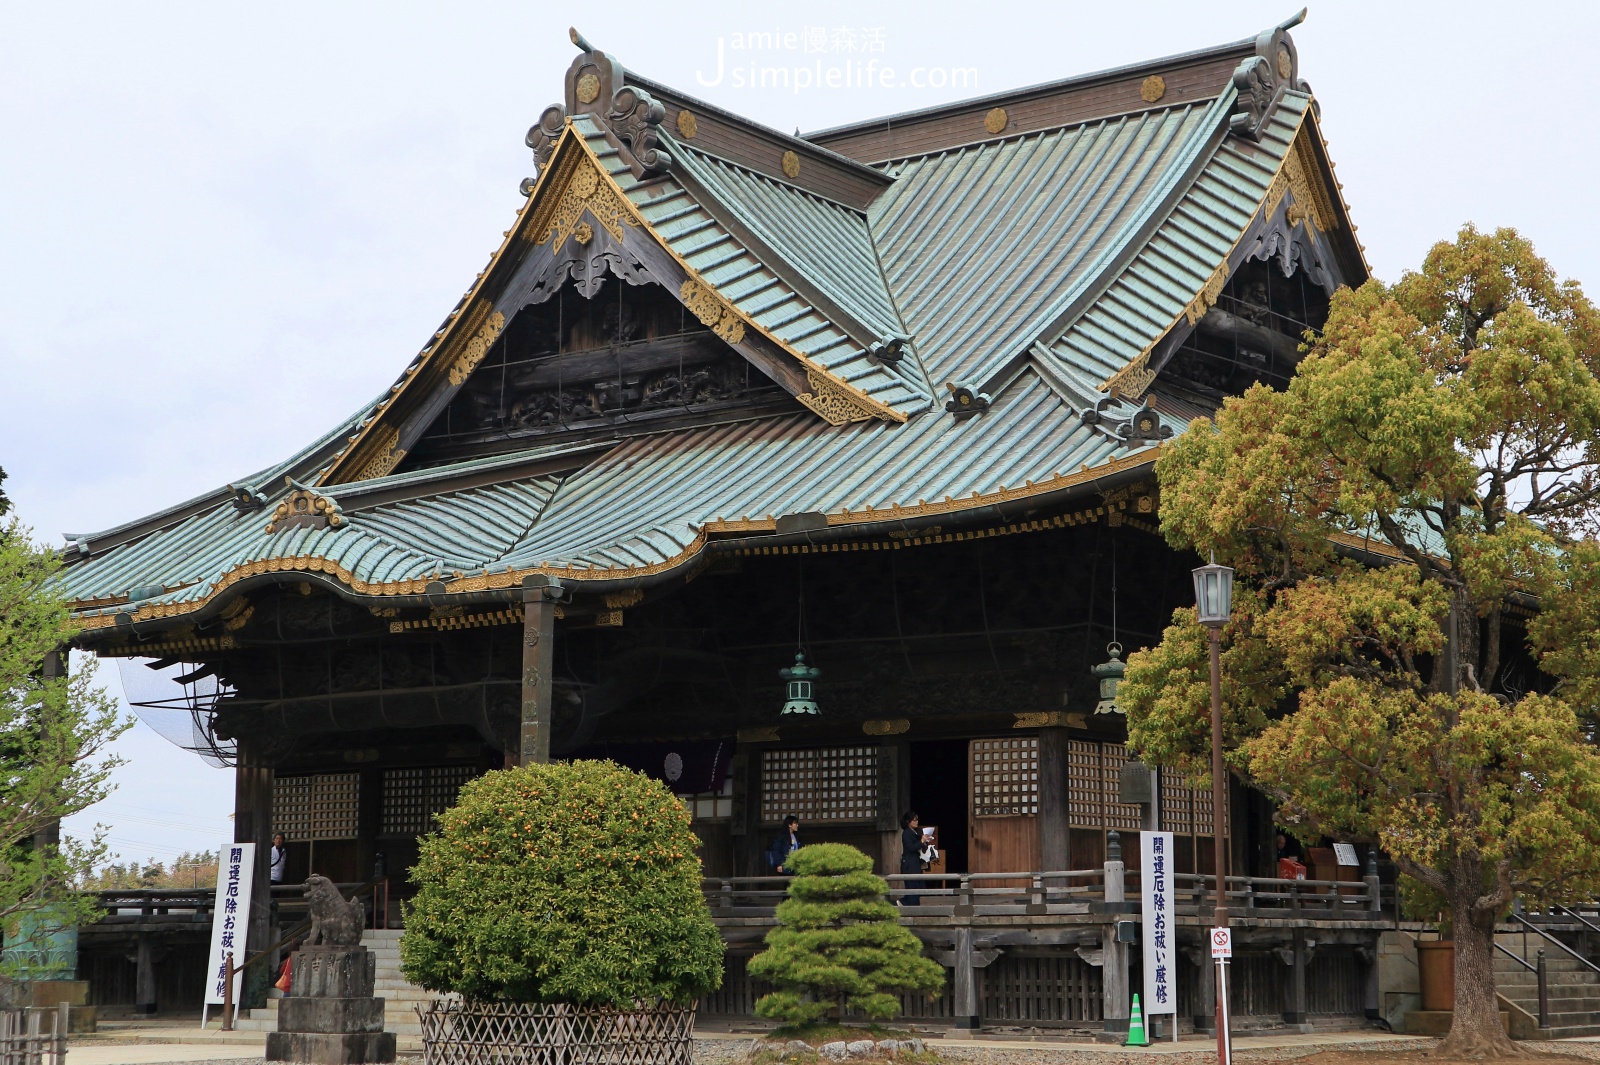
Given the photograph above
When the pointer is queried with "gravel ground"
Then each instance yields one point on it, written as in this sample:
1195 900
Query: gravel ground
728 1051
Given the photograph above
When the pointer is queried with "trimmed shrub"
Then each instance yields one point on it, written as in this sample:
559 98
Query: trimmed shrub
838 940
573 882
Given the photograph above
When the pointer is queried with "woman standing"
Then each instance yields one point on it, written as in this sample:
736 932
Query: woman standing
911 853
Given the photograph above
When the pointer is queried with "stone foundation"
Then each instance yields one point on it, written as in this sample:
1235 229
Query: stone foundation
330 1016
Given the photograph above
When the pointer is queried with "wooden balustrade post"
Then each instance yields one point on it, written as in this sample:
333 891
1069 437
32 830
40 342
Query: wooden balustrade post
964 897
966 981
1036 904
725 897
1374 885
1115 1003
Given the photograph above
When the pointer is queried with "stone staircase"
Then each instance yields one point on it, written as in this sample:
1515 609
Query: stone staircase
399 997
1574 988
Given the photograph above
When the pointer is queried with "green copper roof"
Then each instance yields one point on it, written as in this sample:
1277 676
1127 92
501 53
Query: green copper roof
978 241
1034 267
643 506
1137 304
757 288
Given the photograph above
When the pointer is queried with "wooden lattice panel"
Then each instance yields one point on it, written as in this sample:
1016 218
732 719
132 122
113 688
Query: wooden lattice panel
1005 777
414 797
317 806
1187 810
1084 801
1122 816
1177 805
1094 773
830 784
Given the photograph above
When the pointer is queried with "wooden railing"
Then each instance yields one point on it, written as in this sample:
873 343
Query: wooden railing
124 904
157 902
1071 891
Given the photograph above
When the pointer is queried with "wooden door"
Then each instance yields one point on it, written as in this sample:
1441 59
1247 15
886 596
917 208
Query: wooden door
1003 794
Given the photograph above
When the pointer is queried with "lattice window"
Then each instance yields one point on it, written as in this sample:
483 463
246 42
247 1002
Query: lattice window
317 806
1186 810
823 784
1005 777
414 797
1122 816
1094 772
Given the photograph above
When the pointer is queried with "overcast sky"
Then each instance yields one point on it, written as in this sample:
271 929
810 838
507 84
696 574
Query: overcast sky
225 227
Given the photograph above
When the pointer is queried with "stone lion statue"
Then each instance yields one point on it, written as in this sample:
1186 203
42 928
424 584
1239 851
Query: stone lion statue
334 922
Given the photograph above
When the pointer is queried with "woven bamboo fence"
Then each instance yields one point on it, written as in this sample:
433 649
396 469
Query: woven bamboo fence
23 1040
513 1033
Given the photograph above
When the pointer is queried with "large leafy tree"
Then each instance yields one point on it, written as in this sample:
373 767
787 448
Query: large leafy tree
1428 477
55 727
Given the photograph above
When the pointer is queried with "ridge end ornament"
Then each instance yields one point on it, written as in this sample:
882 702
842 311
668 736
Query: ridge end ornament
635 117
305 508
542 136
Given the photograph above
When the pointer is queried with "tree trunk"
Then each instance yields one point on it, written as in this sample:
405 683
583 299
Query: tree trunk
1476 1030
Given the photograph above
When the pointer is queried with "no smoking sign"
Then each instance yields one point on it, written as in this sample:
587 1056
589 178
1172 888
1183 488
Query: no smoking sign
1221 943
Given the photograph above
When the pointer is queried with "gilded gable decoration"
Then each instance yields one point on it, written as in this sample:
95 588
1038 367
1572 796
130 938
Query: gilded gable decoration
835 404
1134 378
305 508
473 352
1207 295
586 191
712 310
1294 178
386 457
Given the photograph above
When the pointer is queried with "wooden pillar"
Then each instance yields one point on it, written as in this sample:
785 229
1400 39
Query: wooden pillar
966 980
539 595
144 985
1053 853
253 782
1205 990
1116 1000
1295 1013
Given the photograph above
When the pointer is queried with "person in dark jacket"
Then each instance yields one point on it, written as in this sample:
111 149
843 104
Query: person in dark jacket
787 842
911 853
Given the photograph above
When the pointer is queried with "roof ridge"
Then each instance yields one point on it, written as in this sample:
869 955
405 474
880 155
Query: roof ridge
1038 88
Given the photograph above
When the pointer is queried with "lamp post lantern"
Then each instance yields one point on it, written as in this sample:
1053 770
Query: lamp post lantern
1213 595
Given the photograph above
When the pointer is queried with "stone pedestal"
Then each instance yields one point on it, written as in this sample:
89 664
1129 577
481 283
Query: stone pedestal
329 1016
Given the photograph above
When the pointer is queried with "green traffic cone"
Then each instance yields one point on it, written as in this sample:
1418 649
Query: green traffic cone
1136 1036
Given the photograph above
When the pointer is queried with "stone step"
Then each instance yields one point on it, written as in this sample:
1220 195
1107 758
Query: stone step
1573 1032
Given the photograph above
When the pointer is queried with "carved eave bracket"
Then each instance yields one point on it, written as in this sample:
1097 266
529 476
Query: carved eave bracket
595 87
1261 79
305 508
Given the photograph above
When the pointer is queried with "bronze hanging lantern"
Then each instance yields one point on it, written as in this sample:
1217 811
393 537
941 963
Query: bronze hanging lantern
801 680
1110 674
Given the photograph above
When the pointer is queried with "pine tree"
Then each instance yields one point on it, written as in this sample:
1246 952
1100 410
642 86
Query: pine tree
838 940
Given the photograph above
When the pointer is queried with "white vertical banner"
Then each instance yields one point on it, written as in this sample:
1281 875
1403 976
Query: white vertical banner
1160 934
230 921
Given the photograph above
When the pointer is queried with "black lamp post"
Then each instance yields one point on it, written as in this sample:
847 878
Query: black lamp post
1213 595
